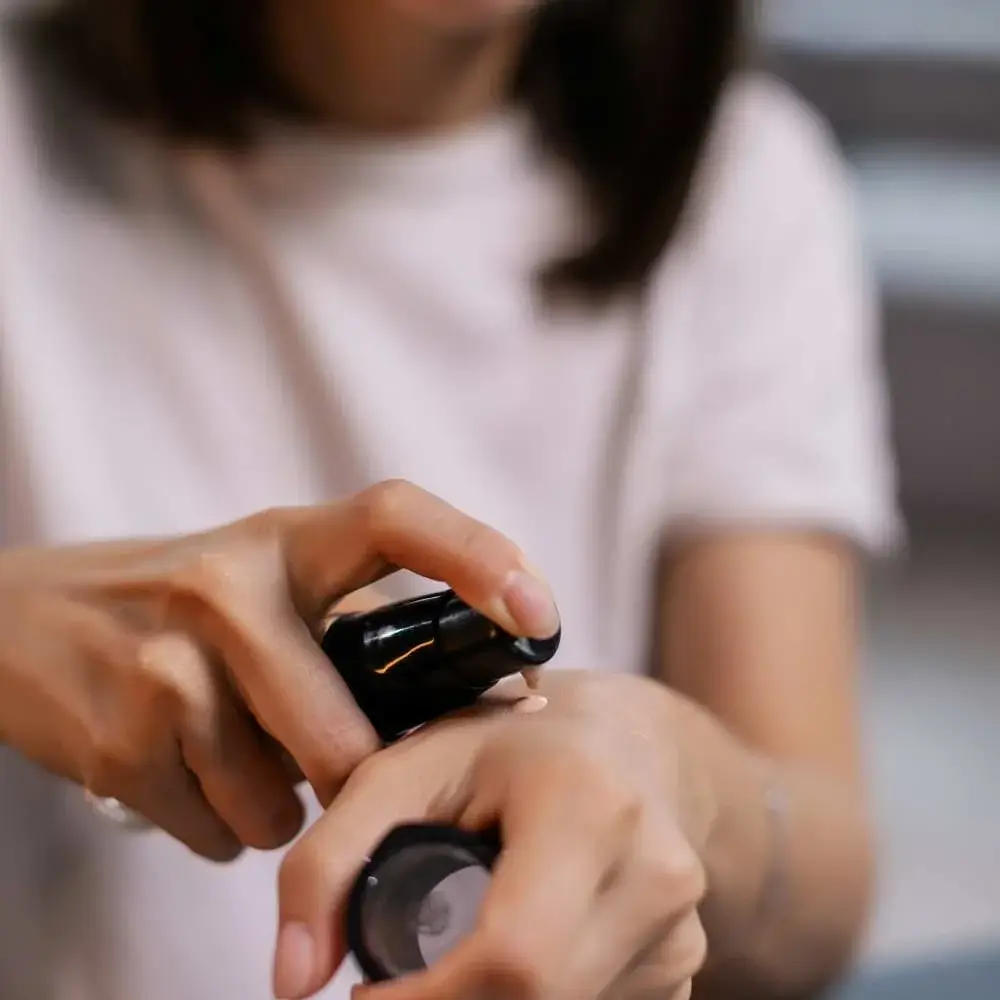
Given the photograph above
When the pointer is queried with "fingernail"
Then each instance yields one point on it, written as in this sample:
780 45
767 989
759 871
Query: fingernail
294 962
529 603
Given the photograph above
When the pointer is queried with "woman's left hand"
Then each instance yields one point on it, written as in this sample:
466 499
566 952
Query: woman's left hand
596 891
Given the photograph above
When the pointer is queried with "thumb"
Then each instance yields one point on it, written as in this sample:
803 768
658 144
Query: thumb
419 780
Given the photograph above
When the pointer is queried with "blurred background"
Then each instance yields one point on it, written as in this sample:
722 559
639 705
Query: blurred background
912 88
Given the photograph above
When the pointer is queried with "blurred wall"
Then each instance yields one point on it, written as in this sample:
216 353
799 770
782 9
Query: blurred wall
913 90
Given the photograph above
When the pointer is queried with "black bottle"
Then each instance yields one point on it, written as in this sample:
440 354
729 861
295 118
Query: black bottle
417 897
409 663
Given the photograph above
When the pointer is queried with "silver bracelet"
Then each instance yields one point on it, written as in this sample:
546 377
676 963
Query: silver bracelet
775 890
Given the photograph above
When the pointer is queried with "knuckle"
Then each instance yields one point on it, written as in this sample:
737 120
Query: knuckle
207 578
609 816
296 870
613 803
386 501
104 774
665 879
229 585
688 949
306 872
280 828
115 762
121 724
674 872
625 812
161 658
174 676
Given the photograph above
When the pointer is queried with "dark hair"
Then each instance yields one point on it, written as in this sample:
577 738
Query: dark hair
624 90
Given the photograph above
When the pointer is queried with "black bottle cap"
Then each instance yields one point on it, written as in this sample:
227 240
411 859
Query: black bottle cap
417 897
411 662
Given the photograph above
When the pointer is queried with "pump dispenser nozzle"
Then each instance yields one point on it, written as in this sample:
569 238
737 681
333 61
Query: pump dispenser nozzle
411 662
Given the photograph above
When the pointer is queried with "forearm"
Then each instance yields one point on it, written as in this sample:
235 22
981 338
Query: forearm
788 857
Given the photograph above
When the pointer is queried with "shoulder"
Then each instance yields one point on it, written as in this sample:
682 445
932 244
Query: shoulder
773 218
772 250
786 398
761 114
771 165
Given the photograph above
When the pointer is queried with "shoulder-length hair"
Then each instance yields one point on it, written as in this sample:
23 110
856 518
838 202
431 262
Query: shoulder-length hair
623 90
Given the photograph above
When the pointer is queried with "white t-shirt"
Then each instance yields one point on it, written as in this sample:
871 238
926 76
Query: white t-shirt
185 339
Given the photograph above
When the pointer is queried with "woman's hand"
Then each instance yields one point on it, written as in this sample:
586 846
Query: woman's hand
597 888
175 674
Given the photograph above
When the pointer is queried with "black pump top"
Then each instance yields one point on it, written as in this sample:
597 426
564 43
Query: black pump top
411 662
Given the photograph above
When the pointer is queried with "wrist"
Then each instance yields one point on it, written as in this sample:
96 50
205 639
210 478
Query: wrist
721 788
729 800
736 812
679 741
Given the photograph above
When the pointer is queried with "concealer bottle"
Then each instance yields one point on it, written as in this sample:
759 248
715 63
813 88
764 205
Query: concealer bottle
409 663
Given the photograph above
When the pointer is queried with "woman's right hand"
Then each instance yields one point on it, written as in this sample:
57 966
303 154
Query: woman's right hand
175 675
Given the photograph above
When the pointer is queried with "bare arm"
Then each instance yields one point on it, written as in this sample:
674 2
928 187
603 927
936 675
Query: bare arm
624 800
759 630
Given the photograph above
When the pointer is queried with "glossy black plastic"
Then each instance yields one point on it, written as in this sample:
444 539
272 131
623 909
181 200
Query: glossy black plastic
452 849
409 663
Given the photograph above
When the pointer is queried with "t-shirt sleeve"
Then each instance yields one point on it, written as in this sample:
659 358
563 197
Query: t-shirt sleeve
787 403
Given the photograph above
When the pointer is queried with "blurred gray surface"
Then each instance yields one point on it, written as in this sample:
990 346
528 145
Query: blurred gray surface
969 28
932 219
912 88
932 705
973 976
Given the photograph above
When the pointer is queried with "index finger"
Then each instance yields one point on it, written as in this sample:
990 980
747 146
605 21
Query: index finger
292 689
559 849
335 549
411 783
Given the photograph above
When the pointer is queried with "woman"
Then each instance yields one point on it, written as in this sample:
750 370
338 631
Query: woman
564 265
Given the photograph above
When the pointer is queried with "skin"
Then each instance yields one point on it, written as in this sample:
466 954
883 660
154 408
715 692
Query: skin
633 814
179 675
760 632
760 667
576 790
638 842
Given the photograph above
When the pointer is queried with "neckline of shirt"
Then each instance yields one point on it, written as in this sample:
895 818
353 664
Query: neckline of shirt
290 158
